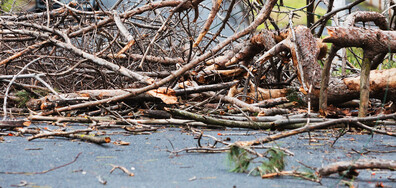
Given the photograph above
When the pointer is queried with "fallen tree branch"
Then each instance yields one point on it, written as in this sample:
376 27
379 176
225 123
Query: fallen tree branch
363 126
358 164
90 138
249 107
311 127
64 134
5 124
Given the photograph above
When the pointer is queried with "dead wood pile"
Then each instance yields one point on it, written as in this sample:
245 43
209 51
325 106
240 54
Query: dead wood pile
165 63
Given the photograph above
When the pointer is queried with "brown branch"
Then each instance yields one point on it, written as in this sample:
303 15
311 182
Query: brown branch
12 123
203 88
325 80
215 8
221 122
225 21
363 126
365 16
126 171
26 50
249 107
359 164
149 58
271 102
374 40
90 138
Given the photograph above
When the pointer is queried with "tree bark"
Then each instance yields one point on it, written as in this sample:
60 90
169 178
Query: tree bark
325 80
374 41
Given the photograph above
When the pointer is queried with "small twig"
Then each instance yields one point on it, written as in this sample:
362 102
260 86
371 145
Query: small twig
201 150
126 171
306 166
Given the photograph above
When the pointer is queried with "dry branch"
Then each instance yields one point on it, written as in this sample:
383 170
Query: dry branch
126 171
261 17
90 138
233 123
26 50
248 107
47 134
359 164
12 123
215 8
314 126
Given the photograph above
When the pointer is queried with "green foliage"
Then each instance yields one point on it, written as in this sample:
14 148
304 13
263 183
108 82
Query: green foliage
6 5
355 55
308 174
367 7
23 98
44 92
389 63
238 159
347 183
275 163
282 19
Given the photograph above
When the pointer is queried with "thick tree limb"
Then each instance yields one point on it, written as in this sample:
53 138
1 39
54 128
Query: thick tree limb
375 41
359 164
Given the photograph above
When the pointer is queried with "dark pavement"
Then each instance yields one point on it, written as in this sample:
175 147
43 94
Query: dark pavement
148 159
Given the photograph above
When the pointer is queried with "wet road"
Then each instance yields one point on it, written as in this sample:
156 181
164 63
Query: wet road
148 159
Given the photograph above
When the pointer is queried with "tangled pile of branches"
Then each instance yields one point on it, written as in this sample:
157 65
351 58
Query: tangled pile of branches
138 59
137 46
164 49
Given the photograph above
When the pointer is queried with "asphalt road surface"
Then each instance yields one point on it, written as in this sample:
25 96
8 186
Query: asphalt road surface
147 157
